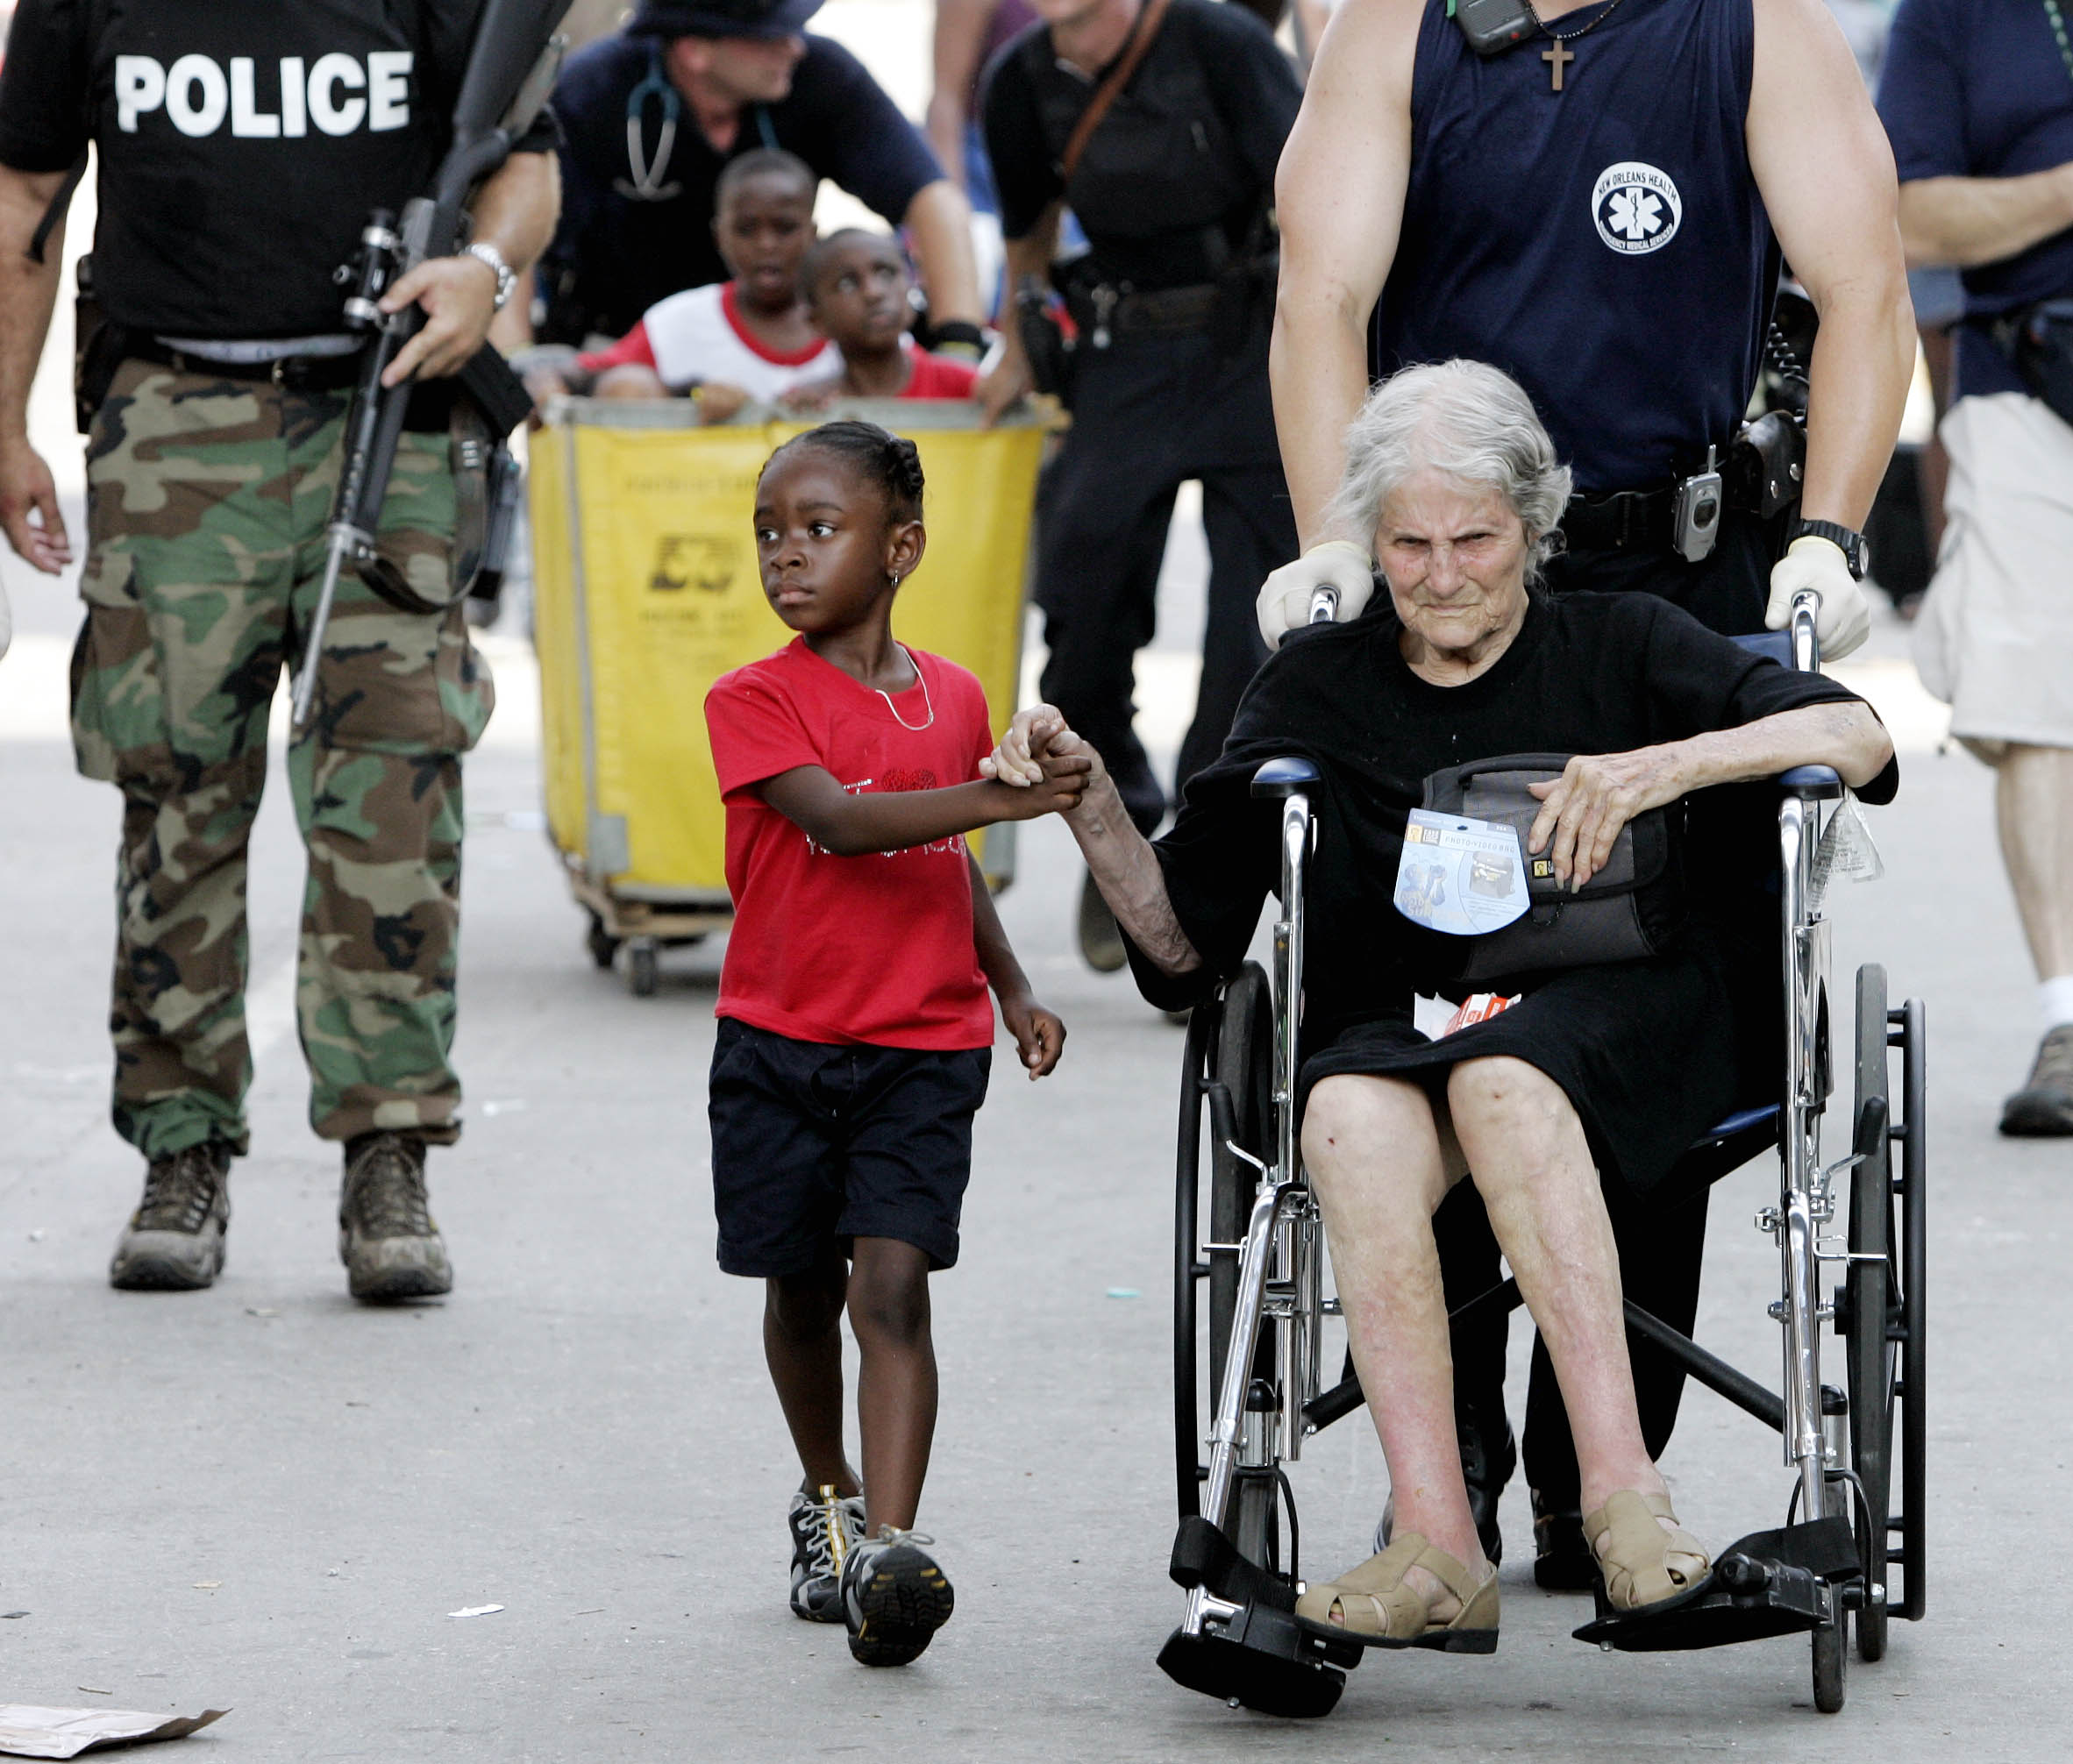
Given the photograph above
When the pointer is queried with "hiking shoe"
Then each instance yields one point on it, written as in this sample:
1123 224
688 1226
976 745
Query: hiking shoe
387 1238
2043 1108
174 1241
1100 938
826 1526
894 1598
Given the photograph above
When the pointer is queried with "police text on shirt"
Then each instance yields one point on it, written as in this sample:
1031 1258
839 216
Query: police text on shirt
335 92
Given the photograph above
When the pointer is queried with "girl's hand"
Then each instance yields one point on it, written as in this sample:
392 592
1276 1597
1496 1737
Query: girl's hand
1039 1034
1583 811
1034 735
1061 782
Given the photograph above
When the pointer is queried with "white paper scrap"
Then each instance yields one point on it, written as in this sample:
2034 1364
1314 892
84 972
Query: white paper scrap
28 1732
475 1610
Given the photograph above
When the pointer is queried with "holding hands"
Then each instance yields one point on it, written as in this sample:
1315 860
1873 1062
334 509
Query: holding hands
1041 755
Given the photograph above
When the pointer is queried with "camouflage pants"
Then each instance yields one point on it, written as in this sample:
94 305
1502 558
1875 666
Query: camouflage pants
207 503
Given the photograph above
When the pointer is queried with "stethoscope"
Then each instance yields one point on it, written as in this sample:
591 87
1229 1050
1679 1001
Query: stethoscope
646 185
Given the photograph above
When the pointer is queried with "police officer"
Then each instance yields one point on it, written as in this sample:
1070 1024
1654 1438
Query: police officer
1172 302
242 146
1597 206
650 117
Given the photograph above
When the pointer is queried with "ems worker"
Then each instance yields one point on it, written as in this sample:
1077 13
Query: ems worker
650 117
1596 208
1978 99
242 146
1173 299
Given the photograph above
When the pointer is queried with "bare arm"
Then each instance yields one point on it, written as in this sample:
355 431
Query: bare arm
960 34
1340 195
1039 1035
892 820
1840 229
1965 221
1119 857
1583 811
28 291
515 211
939 220
1030 256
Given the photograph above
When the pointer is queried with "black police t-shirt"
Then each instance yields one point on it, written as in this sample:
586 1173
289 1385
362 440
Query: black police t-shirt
616 255
1190 143
241 143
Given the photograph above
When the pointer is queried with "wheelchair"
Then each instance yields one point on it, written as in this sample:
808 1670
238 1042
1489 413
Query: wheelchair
1250 1311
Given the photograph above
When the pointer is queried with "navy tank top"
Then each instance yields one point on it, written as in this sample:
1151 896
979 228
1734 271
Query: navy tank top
1604 245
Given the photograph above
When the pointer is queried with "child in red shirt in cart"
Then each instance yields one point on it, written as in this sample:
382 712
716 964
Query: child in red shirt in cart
855 1031
859 294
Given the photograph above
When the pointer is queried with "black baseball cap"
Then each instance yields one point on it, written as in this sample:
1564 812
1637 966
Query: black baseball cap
721 17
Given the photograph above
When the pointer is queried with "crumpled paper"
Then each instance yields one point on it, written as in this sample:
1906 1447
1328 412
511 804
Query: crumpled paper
28 1732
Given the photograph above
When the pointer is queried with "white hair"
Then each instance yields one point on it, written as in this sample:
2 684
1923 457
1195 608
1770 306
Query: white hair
1465 419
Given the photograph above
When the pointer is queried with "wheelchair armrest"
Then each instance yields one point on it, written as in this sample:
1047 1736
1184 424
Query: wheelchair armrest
1776 644
1280 779
1812 782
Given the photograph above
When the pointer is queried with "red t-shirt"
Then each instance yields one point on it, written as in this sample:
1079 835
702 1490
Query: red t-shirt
874 948
934 377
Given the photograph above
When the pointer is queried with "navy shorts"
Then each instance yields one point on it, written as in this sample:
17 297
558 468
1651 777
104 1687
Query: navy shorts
815 1145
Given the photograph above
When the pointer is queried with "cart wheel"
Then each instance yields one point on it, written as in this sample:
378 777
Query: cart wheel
643 972
600 943
1831 1661
1868 1291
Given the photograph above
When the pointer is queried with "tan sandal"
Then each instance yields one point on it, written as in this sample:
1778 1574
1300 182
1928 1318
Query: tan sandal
1644 1564
1371 1604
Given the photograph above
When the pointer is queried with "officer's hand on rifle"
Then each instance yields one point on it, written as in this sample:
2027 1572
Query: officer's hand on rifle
458 296
29 509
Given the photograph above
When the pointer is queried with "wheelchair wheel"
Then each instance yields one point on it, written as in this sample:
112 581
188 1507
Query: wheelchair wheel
1831 1664
1869 1290
1229 1055
1910 1314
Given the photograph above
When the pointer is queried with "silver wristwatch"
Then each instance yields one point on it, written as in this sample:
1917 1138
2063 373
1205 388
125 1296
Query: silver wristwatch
507 278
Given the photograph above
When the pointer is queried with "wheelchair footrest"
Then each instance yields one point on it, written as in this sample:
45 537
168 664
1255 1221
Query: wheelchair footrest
1769 1583
1258 1656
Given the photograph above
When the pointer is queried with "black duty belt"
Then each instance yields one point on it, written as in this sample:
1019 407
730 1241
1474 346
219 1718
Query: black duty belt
1626 520
1168 311
290 372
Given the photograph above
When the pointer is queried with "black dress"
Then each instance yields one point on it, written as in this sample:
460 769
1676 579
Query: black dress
1651 1054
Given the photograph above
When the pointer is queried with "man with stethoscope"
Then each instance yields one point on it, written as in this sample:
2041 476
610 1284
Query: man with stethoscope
649 117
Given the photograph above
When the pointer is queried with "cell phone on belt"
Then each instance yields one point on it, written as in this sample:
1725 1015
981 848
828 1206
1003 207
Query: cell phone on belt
1491 26
1695 513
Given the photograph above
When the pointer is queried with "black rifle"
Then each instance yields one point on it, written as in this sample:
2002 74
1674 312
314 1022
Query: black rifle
509 71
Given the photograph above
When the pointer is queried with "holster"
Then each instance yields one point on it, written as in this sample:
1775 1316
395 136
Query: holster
1043 341
98 346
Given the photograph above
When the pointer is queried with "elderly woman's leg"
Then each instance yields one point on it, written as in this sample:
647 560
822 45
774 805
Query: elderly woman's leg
1379 1166
1534 1169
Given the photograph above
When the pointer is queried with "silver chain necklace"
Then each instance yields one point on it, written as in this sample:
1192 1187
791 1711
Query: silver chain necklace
911 728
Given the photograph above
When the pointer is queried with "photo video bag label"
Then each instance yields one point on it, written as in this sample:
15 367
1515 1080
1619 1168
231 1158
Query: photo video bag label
1458 875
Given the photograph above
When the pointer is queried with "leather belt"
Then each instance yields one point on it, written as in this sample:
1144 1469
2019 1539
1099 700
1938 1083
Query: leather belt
290 372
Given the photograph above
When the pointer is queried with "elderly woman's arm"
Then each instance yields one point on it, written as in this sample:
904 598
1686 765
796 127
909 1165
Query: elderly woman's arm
1119 857
1583 811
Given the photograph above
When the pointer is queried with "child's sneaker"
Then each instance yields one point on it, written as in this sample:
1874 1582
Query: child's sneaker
826 1526
894 1598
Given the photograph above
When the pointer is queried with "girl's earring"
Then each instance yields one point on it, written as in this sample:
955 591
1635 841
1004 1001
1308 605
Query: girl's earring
893 579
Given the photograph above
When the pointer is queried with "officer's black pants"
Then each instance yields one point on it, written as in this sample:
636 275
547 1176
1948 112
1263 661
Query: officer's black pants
1659 1249
1149 412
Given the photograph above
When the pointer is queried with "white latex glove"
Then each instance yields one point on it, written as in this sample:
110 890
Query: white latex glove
1844 620
1284 601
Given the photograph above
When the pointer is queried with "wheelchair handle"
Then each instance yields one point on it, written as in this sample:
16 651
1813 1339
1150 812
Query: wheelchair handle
1324 604
1806 643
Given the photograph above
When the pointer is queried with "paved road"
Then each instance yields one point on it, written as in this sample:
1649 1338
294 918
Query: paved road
265 1497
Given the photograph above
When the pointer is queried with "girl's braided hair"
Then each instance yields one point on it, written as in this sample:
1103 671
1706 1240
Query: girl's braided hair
890 461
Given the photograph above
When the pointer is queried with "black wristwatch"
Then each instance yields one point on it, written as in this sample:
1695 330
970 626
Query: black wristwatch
958 336
1847 540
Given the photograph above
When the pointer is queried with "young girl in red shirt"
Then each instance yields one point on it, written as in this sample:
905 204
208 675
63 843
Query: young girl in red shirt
855 1030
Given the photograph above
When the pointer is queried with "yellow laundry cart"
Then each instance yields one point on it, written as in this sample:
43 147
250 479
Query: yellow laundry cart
647 591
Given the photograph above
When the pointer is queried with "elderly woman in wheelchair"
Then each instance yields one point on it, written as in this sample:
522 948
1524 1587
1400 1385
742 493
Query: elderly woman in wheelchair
1601 1072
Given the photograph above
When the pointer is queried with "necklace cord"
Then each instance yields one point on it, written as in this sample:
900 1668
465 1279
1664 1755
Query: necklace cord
1555 37
911 728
